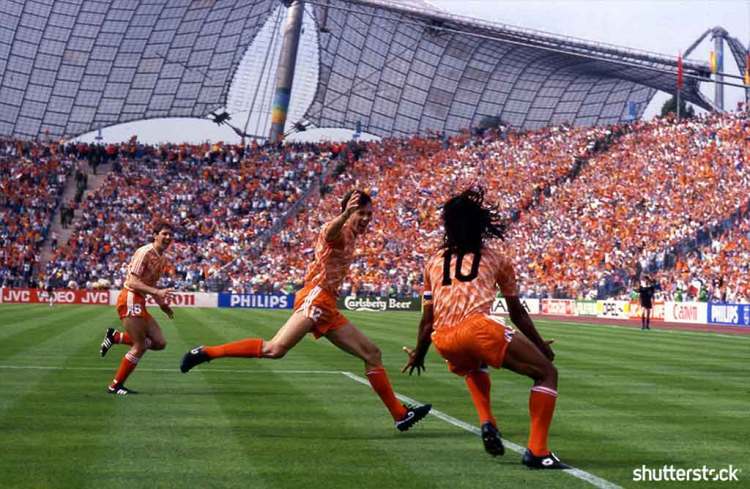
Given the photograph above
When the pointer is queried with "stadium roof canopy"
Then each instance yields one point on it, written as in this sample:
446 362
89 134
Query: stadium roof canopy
396 67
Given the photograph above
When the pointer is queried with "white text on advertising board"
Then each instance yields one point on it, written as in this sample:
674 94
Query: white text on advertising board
178 299
365 304
260 301
377 304
725 314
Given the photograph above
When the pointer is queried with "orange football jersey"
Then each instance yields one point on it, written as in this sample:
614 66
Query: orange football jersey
332 260
147 265
466 285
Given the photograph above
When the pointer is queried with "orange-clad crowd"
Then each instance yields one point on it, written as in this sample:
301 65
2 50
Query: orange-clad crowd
631 206
32 178
220 199
409 179
589 210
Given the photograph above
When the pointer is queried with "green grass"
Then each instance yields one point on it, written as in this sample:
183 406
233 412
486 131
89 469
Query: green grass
627 398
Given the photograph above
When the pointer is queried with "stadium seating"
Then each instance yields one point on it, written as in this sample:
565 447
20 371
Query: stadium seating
409 179
32 179
716 266
220 201
589 209
660 184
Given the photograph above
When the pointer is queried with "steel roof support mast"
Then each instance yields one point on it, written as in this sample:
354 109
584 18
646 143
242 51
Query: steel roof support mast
285 70
719 86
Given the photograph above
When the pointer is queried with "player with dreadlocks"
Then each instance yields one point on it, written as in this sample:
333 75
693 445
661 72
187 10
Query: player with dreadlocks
460 282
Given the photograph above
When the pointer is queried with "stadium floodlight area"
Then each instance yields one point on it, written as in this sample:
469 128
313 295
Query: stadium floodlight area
390 67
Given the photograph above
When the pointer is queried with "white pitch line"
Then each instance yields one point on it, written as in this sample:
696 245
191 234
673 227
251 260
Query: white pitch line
578 473
176 369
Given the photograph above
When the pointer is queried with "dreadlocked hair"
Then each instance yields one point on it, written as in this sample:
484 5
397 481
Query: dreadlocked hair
468 222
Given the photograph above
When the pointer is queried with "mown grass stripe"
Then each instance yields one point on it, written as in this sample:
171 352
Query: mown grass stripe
580 474
219 426
319 404
51 420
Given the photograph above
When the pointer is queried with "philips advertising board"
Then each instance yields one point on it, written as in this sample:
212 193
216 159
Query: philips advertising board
729 314
256 301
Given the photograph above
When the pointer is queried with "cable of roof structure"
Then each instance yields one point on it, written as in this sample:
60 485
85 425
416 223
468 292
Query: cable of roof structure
525 44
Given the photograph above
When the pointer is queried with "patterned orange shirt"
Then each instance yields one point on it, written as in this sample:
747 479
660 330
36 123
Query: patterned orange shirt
457 294
147 265
332 260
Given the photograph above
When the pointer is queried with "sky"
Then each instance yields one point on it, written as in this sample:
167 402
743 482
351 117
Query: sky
663 26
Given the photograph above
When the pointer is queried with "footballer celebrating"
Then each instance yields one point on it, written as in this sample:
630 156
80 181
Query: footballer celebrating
460 282
315 311
142 332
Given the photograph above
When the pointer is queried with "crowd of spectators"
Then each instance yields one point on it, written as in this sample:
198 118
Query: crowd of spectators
631 208
32 179
220 199
715 268
657 187
409 179
589 210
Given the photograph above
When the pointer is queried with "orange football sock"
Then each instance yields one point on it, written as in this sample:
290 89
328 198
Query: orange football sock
250 347
122 338
379 381
478 382
127 365
541 408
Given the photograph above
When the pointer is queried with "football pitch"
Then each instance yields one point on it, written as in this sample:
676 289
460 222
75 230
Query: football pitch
627 398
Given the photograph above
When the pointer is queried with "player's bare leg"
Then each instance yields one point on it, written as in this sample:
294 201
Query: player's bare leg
154 336
287 337
137 329
353 341
291 333
525 358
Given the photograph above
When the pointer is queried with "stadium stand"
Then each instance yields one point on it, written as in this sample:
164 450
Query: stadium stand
659 185
221 199
714 266
410 178
589 209
32 177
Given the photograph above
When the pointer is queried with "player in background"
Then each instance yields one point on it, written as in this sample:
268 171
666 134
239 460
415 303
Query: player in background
459 288
142 332
315 312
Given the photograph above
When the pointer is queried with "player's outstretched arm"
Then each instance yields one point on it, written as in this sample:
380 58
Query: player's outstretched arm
424 340
521 318
334 229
